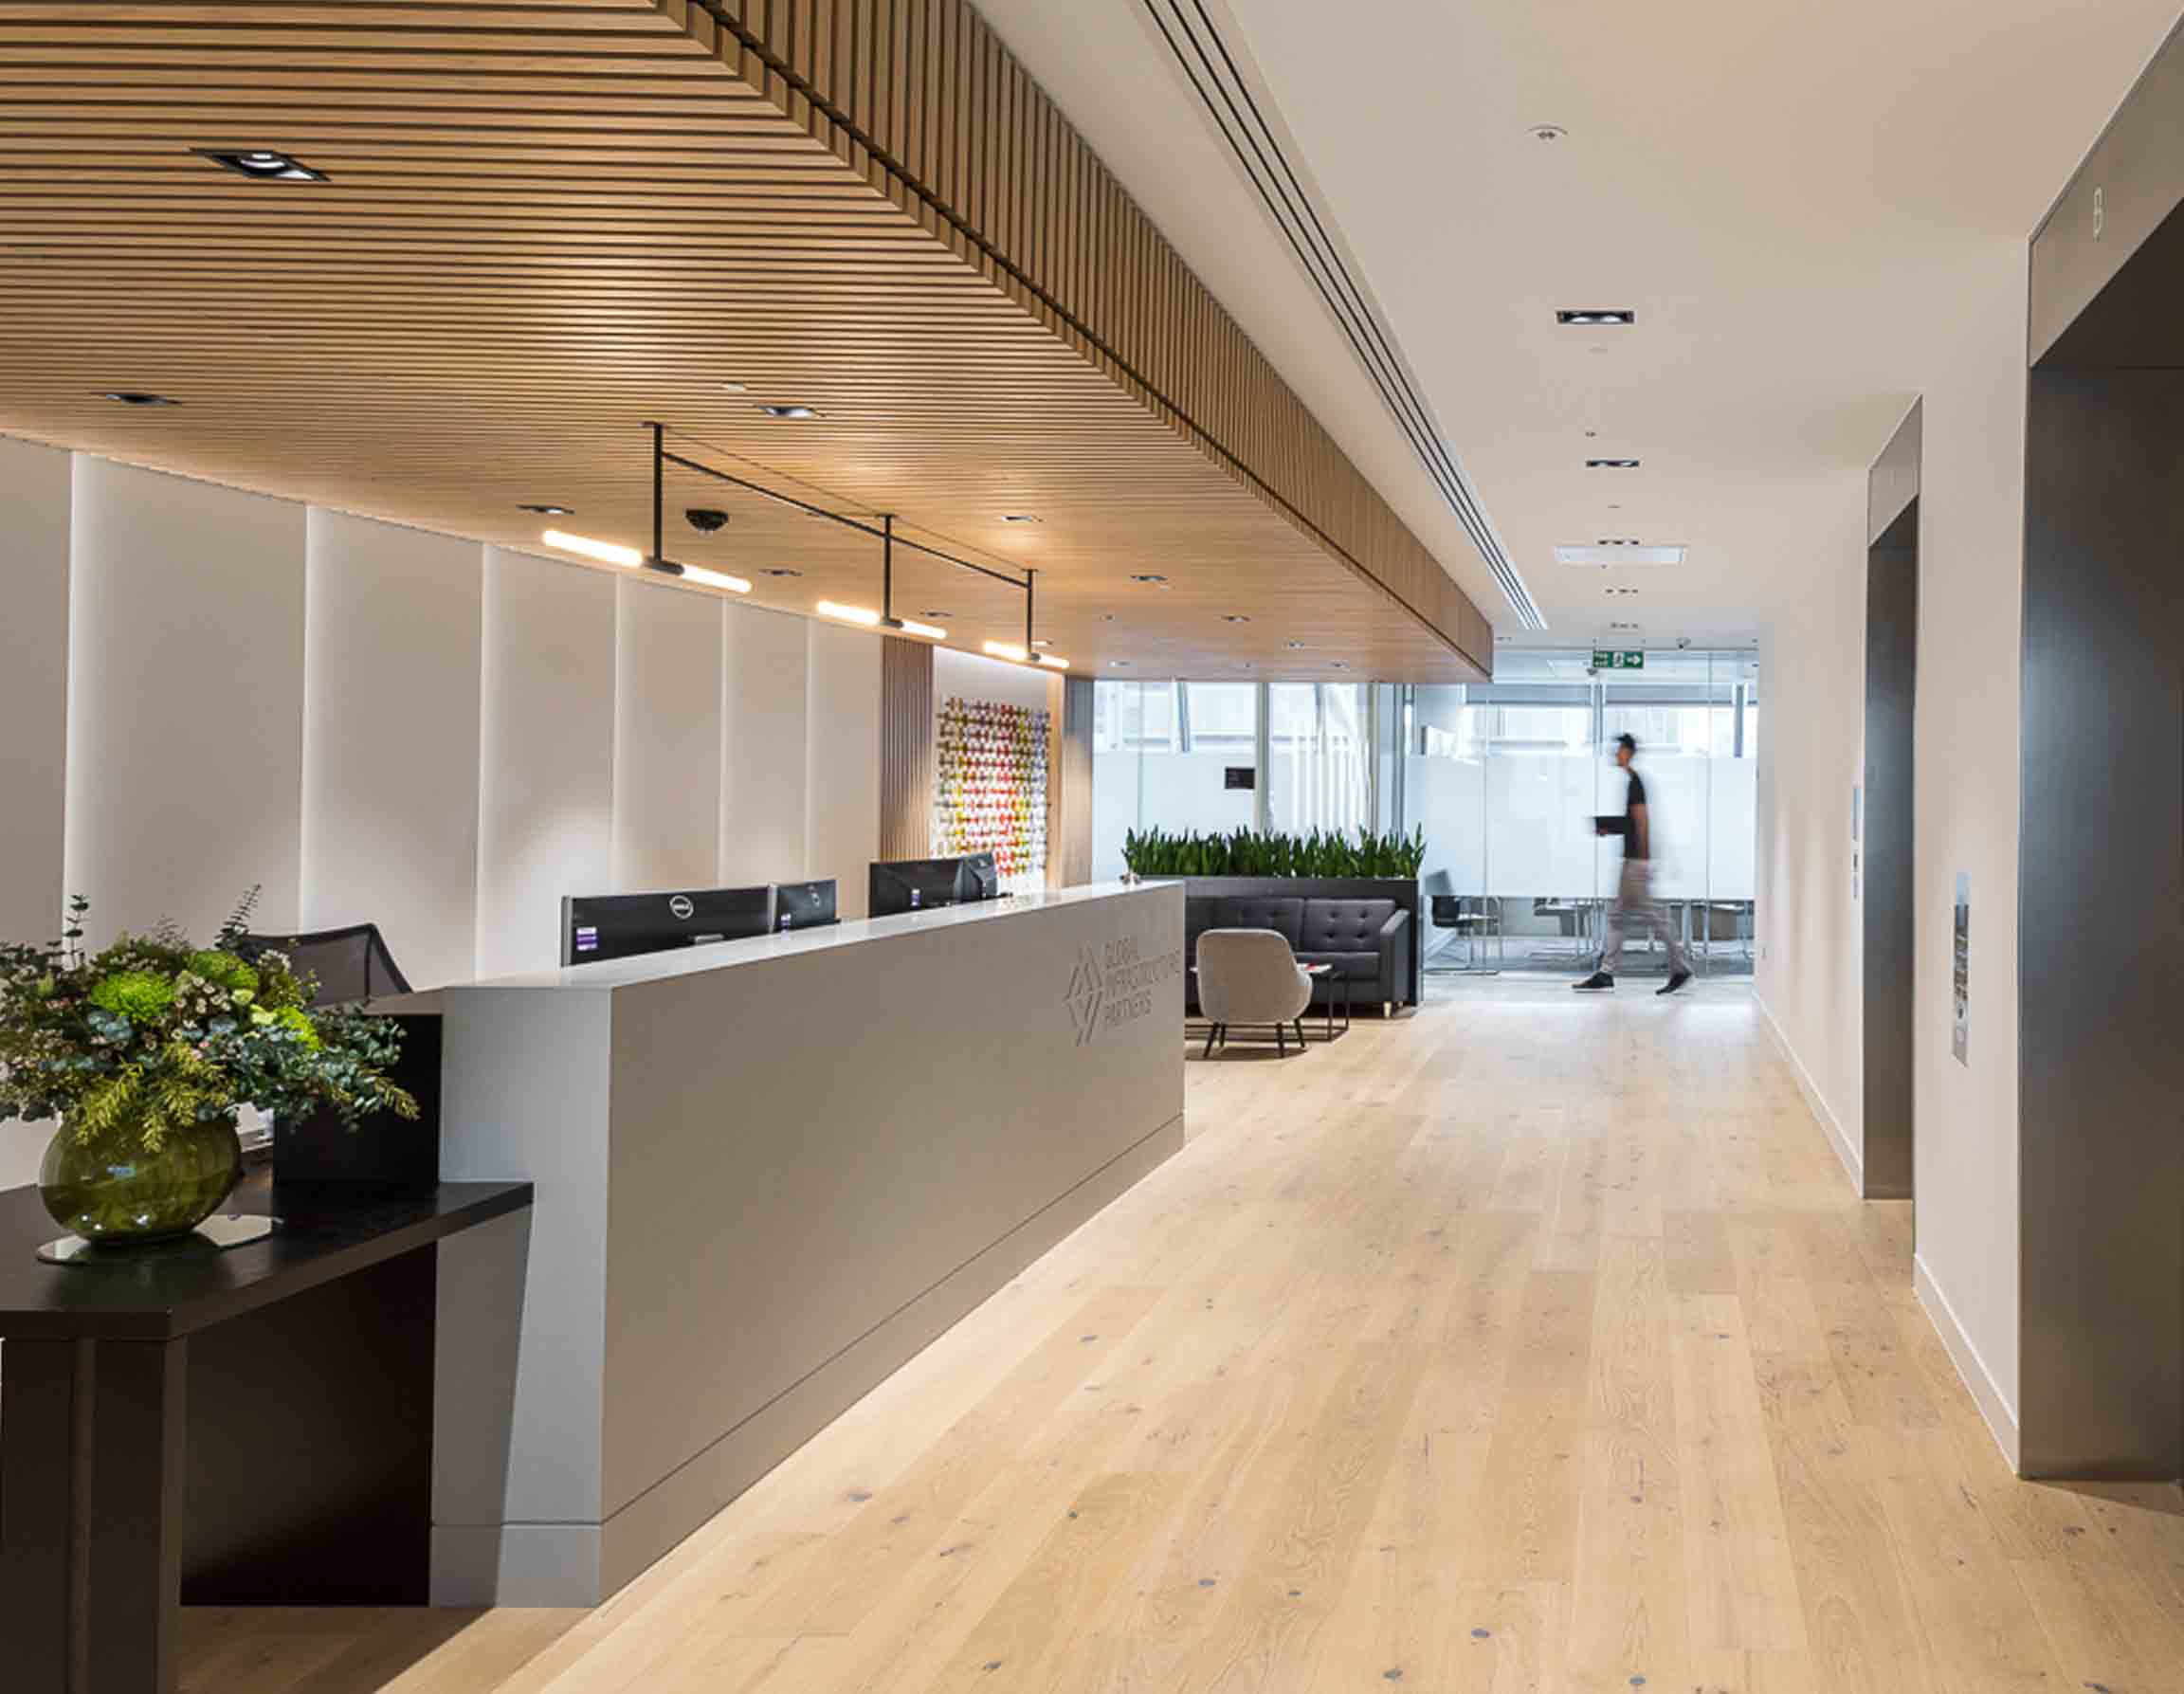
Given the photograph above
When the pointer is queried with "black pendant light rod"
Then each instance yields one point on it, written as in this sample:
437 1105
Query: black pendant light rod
659 495
662 458
1029 642
888 567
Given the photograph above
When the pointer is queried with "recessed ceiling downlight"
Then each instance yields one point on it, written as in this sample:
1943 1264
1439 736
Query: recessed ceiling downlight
549 511
1153 577
136 397
260 164
1608 554
1610 465
1608 316
794 412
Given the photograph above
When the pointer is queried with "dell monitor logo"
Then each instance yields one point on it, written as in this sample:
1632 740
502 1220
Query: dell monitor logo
682 905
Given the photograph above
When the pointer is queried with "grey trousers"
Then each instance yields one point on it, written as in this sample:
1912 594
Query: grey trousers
1636 906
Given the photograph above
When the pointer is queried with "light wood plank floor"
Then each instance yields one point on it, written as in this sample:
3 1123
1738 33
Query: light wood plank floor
1527 1344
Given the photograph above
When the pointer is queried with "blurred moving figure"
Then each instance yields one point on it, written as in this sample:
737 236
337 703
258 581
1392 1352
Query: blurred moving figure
1635 901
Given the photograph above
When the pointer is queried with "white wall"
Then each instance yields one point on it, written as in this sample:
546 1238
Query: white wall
391 660
1971 578
33 718
546 757
201 689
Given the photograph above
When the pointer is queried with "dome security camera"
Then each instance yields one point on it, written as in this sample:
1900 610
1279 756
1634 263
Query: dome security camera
705 520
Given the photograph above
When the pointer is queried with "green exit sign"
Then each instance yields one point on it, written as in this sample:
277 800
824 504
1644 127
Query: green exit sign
1617 659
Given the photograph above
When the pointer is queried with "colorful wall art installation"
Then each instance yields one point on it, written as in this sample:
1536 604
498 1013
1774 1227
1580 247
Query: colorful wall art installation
989 787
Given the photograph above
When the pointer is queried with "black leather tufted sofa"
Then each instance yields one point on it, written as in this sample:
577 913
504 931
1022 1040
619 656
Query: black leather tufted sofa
1367 941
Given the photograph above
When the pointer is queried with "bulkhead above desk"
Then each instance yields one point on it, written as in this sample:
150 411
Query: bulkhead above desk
768 1172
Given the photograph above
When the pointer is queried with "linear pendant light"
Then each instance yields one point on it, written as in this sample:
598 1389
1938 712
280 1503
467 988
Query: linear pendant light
607 552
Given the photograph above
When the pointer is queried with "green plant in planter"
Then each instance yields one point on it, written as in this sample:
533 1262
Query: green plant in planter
1155 852
145 1050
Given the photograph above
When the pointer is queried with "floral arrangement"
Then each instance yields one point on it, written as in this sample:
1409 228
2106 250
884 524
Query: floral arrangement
154 1033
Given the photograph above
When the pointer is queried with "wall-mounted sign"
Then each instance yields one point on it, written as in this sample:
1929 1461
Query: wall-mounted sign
1243 776
1961 1029
1618 659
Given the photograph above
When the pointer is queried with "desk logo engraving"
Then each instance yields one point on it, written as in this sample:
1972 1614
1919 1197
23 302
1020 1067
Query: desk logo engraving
682 904
1112 985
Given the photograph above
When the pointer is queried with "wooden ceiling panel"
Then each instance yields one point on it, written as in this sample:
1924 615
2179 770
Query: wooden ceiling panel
549 223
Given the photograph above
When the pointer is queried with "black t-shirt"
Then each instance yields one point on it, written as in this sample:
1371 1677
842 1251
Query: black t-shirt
1633 843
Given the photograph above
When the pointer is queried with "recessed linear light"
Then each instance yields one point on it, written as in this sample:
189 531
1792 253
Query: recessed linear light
549 511
260 164
607 552
1610 465
1600 315
789 411
1606 553
136 397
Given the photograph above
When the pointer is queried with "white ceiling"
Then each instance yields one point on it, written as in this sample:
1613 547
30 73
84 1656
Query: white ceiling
1788 195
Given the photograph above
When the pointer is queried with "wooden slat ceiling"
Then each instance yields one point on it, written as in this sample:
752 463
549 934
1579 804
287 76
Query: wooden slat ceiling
549 222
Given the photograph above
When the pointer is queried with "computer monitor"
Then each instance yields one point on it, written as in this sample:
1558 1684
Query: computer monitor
981 878
804 906
912 884
598 927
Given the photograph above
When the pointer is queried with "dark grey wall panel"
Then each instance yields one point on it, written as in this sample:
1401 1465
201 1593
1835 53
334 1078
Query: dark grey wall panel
1888 929
2100 927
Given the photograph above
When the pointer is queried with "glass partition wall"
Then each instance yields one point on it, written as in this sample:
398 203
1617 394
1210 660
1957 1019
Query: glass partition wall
1505 779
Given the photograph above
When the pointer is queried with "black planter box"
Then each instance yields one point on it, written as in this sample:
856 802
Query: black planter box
319 1159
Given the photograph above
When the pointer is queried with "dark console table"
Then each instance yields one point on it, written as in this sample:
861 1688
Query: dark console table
246 1428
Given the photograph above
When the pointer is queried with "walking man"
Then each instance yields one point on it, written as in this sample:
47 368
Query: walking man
1635 901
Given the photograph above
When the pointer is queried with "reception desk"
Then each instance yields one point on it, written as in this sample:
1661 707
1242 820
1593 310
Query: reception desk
767 1173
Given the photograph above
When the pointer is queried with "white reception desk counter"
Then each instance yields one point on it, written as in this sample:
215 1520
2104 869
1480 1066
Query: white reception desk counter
768 1173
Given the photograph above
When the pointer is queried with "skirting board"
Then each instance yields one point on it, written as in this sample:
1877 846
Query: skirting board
1852 1159
1986 1393
542 1565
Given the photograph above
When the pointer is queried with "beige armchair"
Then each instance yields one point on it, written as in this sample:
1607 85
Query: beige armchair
1250 977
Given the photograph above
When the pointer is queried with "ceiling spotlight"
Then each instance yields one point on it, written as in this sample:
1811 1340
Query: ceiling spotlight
1018 518
1234 617
849 615
136 397
260 164
789 411
937 614
1604 315
1338 665
1610 465
779 571
549 511
1150 577
1549 132
1007 649
607 552
1295 647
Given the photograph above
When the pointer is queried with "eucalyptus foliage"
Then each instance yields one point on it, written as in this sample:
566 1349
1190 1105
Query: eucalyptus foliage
1248 853
154 1033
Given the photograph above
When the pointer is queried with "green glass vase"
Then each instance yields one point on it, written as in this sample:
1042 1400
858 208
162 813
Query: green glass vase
112 1191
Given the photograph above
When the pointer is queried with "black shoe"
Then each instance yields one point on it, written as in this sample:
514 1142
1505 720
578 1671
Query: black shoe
1594 983
1675 982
